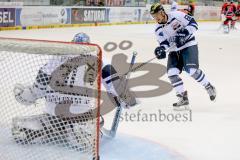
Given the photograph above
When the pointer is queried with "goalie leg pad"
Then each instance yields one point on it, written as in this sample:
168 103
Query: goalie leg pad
28 130
79 137
37 129
72 133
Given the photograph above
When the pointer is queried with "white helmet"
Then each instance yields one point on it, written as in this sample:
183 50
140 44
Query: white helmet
81 38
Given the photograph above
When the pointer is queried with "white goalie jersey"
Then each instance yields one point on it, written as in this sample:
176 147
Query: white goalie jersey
57 92
68 88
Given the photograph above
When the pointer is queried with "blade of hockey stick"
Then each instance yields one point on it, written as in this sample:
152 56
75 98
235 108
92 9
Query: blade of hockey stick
112 133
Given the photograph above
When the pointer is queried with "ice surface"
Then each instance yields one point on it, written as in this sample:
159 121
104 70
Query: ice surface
214 130
130 147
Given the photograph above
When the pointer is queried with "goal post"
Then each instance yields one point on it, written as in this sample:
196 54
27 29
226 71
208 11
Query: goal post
49 100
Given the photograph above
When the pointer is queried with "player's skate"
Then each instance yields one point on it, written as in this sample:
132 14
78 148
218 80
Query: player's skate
183 102
211 91
233 27
226 29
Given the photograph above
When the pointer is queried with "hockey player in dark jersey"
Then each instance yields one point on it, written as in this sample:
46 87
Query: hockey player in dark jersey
175 31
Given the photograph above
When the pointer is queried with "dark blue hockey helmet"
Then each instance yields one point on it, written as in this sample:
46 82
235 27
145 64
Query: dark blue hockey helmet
156 7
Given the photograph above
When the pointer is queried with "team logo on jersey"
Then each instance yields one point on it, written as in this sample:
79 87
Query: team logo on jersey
175 26
161 34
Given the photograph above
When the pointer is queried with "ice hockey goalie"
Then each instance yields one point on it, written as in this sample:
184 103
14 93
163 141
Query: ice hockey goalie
68 117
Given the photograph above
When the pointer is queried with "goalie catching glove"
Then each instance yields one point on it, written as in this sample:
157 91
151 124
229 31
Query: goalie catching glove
24 95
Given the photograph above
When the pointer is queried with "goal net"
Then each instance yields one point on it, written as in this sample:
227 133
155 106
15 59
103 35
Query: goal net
49 100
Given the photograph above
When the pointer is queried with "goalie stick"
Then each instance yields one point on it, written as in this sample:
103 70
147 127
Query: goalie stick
112 133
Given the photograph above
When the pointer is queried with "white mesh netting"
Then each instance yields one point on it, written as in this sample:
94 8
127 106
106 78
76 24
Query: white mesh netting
49 100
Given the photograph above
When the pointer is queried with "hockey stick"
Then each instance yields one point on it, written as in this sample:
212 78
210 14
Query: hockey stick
140 66
150 60
112 133
145 63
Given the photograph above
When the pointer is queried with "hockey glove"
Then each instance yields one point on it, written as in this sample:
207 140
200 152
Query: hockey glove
24 95
180 38
119 101
237 13
160 52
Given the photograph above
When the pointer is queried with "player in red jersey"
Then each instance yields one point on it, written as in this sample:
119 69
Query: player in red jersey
229 12
223 17
238 11
224 7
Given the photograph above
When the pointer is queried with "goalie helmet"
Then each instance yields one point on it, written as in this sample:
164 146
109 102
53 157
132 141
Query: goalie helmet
81 38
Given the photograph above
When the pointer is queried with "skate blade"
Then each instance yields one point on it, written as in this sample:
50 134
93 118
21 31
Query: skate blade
182 108
214 100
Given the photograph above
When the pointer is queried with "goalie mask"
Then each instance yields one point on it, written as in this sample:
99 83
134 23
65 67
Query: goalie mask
81 38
